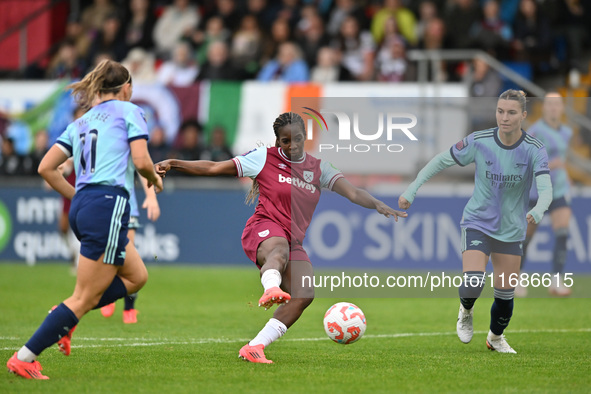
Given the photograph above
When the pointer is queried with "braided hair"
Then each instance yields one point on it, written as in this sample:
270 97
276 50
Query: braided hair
282 120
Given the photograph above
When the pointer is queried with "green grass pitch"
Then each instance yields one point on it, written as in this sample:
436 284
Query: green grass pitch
193 320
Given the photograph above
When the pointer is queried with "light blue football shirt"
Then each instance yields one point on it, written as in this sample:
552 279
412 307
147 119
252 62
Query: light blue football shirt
502 182
99 143
556 143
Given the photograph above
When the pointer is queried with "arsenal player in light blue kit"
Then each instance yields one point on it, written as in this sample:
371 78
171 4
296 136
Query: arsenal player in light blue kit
108 144
288 182
496 216
556 138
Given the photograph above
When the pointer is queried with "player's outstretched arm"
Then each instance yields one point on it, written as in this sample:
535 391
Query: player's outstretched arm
197 167
48 169
440 162
363 198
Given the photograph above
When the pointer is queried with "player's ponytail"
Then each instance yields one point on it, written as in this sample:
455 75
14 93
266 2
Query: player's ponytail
107 77
517 95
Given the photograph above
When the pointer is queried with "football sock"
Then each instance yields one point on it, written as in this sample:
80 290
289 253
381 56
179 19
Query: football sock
115 291
559 258
525 245
26 355
270 278
55 326
130 301
501 310
471 288
272 331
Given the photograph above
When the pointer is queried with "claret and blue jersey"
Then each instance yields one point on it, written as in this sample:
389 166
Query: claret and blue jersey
99 143
503 179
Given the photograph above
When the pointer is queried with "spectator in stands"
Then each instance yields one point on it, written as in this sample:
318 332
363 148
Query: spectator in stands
341 10
485 87
190 136
10 161
486 82
81 39
391 34
532 36
459 18
217 149
228 11
178 20
313 37
491 33
288 66
247 46
139 26
157 146
435 39
328 67
572 22
218 66
427 12
264 11
94 16
141 65
181 70
393 65
40 148
214 31
357 47
289 10
109 40
280 33
67 63
405 21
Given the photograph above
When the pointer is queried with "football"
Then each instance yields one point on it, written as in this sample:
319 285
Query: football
344 323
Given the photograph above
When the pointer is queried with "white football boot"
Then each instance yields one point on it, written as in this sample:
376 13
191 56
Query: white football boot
498 343
464 327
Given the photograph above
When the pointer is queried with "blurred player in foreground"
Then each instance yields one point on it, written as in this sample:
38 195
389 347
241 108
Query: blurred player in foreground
108 144
495 219
288 183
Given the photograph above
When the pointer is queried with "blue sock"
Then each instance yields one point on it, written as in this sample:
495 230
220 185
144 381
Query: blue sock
559 258
501 310
130 301
471 288
56 325
115 291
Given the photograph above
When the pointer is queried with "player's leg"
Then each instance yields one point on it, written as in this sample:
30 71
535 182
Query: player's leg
129 311
506 268
92 280
475 253
272 257
521 291
560 224
286 315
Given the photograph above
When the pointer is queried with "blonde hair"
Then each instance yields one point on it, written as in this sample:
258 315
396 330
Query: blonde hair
517 95
282 120
107 77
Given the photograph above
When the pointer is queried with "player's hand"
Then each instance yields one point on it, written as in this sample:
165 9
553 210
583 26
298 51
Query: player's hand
162 168
403 203
530 219
152 207
158 185
387 211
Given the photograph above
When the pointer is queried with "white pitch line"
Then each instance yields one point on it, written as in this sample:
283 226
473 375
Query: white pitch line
140 342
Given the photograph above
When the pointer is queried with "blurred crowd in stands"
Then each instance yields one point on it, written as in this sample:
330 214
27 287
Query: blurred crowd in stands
180 42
